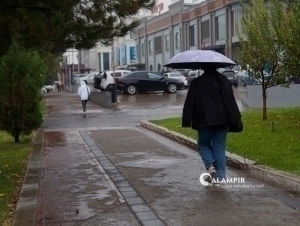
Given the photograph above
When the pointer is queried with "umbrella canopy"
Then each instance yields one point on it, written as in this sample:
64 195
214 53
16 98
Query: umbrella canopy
194 59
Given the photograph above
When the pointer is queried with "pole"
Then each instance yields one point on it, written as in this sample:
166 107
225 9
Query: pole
66 73
114 93
79 61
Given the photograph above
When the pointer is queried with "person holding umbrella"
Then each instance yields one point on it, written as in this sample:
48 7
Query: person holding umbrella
210 108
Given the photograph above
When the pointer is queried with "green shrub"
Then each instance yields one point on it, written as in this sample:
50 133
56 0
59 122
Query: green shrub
22 75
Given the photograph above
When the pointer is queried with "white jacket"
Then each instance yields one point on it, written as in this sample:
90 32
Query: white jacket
84 91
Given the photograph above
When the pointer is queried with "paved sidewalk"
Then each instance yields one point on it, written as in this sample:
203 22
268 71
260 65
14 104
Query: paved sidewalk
95 175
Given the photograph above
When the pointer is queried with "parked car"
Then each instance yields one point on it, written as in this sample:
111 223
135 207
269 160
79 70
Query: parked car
75 79
184 72
89 78
231 77
44 91
247 78
102 84
178 76
193 75
144 81
49 88
237 68
295 80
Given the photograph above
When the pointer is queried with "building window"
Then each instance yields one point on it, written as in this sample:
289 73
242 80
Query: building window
106 61
205 36
151 68
131 34
167 42
177 40
143 49
150 47
158 44
192 35
236 19
159 67
221 27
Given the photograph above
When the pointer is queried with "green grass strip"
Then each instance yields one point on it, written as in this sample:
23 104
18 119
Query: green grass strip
274 143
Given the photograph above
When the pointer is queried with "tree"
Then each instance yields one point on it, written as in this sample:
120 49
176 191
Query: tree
22 75
59 25
286 25
52 62
260 47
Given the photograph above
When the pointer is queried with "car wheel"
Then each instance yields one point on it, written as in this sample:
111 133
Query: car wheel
131 89
235 85
172 88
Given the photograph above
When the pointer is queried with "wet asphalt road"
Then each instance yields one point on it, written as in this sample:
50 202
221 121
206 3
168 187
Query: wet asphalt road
77 189
66 110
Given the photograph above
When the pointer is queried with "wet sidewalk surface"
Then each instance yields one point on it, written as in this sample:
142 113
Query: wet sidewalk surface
73 185
128 176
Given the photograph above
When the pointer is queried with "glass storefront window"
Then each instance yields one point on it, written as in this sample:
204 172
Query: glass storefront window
221 27
167 42
150 46
237 22
177 40
192 35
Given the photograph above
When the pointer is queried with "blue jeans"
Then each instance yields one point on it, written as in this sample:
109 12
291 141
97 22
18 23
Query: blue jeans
211 146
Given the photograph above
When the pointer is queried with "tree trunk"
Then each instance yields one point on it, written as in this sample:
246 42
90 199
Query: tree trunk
264 104
17 138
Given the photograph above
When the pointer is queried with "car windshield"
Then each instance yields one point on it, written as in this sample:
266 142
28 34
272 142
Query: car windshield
176 75
229 73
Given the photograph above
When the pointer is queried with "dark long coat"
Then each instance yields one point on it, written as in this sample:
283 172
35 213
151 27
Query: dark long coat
210 102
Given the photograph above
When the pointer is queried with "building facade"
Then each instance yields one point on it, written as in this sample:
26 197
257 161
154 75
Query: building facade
209 25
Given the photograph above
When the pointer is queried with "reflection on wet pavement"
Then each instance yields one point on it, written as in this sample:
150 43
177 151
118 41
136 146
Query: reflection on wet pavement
161 100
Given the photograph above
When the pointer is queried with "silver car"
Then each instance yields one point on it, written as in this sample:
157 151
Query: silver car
178 76
246 78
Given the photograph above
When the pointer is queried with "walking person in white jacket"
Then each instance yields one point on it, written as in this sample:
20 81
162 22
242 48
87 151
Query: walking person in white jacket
84 92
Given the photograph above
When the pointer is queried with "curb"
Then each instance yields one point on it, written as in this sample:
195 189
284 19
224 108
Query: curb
277 178
25 211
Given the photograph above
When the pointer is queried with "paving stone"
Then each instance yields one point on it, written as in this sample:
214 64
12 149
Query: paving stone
152 223
118 178
139 207
124 189
135 201
122 184
146 215
112 171
130 194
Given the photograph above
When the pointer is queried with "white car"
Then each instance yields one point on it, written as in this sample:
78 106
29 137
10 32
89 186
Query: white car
44 91
178 76
195 74
110 80
90 77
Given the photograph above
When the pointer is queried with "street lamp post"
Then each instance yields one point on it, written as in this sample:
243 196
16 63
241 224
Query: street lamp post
114 92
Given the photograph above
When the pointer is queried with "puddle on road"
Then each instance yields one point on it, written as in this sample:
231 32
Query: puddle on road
154 162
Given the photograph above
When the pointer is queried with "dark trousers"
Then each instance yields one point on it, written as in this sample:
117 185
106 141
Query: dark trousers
84 105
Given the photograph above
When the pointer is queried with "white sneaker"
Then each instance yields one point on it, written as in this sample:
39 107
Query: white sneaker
212 172
84 114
